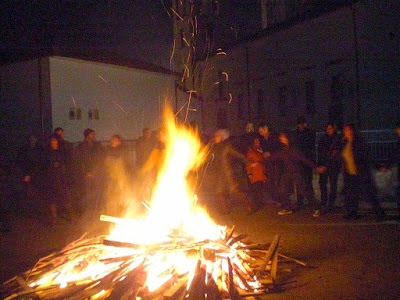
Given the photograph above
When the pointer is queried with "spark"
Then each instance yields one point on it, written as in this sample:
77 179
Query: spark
172 53
186 42
120 107
226 76
102 78
188 103
176 14
230 98
165 8
180 109
220 52
195 26
185 71
73 100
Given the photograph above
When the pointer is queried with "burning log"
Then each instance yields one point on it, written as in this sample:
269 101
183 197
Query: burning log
224 268
176 291
125 270
125 273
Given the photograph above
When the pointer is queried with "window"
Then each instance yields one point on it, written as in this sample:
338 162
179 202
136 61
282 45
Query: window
260 104
93 114
310 97
241 107
338 95
222 118
282 101
75 113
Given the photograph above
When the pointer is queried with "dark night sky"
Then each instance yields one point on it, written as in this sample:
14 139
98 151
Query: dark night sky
138 29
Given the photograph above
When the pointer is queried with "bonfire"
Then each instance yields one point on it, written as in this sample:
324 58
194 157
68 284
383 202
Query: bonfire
175 251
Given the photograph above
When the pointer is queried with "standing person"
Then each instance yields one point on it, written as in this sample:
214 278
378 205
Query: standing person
144 146
67 150
304 139
270 144
89 154
29 160
117 183
292 160
357 176
247 139
65 146
329 156
153 164
256 172
223 176
55 181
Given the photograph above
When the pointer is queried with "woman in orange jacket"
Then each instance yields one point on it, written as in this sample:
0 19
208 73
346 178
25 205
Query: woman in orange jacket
256 172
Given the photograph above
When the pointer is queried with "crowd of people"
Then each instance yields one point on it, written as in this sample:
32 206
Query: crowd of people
280 165
258 167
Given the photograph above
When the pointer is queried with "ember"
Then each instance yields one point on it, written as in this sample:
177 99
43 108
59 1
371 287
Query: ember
183 268
170 254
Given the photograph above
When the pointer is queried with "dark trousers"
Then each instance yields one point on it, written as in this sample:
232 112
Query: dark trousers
328 197
308 191
287 182
357 187
257 190
272 185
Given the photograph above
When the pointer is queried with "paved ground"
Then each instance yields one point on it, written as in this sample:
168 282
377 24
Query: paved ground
346 259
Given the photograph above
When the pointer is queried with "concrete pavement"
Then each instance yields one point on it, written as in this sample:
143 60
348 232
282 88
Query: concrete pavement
346 259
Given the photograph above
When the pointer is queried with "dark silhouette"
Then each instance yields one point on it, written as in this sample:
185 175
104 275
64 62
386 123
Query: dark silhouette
329 147
357 176
304 139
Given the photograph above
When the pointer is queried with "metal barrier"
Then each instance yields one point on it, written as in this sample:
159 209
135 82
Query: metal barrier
381 143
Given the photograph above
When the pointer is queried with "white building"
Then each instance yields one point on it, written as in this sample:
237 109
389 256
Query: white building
110 97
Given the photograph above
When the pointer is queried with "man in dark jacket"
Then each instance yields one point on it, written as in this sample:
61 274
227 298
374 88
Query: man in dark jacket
89 154
29 161
226 173
144 146
304 139
270 144
329 156
292 161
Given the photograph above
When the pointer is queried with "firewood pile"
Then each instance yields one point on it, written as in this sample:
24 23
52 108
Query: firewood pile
180 268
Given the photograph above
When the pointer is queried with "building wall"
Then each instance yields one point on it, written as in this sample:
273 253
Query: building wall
346 60
24 102
111 99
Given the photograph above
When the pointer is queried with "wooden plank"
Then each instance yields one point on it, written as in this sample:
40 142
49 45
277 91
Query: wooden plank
271 251
271 255
177 290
